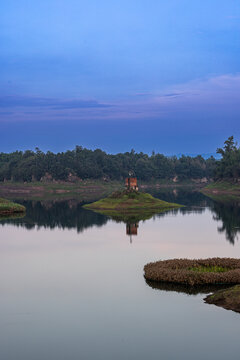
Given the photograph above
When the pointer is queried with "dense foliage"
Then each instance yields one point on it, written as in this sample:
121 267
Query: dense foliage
229 165
83 163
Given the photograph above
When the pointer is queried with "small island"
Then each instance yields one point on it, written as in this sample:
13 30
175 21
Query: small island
215 275
9 208
228 299
129 200
223 271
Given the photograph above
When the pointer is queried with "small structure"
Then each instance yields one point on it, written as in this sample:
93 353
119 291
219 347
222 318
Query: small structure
131 183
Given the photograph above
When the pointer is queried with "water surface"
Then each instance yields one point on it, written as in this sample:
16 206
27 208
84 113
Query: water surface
72 284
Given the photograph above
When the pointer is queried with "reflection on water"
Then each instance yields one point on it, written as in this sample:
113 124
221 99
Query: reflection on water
73 294
60 214
184 196
181 288
132 230
70 214
229 216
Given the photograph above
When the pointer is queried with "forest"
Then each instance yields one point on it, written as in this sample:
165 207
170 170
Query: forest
82 163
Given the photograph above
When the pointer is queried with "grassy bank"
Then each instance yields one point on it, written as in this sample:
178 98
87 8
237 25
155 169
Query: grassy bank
222 187
8 207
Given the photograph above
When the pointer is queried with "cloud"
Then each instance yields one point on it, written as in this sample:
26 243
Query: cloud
171 95
214 98
143 94
220 90
41 102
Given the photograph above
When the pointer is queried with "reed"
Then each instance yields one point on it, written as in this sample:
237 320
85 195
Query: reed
195 272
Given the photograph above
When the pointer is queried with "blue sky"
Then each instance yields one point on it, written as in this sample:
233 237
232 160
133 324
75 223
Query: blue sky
156 75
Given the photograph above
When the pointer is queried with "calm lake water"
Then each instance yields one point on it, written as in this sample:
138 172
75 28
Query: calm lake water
72 284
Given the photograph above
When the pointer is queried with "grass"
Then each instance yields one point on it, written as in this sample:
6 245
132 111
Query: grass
209 269
8 207
133 200
223 186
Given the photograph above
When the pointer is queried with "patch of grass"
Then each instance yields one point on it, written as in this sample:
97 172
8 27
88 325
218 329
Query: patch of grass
8 207
203 269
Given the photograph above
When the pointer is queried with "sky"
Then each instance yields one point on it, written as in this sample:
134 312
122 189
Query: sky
119 75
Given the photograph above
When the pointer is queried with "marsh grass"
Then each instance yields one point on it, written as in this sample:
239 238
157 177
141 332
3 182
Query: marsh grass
195 272
209 269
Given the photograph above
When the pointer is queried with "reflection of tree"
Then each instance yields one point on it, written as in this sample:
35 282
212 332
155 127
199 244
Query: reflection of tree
229 214
226 210
70 214
64 214
181 195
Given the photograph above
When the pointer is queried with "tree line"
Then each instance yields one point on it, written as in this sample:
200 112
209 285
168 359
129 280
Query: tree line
82 163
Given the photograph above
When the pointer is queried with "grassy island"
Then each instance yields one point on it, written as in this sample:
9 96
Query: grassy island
195 272
130 200
8 207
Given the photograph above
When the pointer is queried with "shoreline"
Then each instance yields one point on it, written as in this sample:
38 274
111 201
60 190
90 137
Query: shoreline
68 190
222 188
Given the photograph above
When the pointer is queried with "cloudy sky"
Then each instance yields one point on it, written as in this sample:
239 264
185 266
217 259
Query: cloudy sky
149 75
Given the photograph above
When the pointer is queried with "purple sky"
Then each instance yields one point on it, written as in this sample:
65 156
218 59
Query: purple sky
161 76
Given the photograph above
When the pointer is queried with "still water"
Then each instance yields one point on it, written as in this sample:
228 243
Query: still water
72 284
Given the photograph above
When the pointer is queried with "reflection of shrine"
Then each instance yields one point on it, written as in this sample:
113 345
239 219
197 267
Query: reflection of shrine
131 229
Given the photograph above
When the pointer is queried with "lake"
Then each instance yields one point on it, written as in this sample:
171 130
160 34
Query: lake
72 284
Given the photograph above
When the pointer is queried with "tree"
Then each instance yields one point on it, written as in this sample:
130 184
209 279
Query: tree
229 147
229 165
